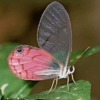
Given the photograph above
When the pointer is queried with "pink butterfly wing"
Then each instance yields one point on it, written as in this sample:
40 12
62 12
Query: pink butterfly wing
32 64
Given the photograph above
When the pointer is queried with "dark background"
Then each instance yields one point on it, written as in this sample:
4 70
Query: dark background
19 20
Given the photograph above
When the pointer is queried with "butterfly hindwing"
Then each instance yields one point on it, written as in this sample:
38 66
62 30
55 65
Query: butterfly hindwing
32 63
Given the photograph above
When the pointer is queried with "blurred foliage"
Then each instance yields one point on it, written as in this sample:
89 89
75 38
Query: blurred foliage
79 91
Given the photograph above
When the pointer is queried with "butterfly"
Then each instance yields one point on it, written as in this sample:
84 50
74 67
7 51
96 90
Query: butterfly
54 36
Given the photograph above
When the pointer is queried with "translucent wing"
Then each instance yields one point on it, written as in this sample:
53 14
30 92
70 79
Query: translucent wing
32 63
54 32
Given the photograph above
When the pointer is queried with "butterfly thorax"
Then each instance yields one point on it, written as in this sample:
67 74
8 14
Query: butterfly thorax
65 71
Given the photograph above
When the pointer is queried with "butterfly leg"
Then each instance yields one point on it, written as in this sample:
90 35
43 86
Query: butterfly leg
51 86
71 72
73 78
56 83
68 82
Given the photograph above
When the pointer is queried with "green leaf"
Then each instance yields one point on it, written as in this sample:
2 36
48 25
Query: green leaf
76 55
12 86
79 91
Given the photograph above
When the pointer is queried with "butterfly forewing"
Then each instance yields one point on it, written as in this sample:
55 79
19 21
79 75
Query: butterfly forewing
54 32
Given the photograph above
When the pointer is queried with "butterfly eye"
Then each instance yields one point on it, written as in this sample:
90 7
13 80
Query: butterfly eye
19 50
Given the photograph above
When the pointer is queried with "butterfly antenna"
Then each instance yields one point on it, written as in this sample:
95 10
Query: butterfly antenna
76 60
82 54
